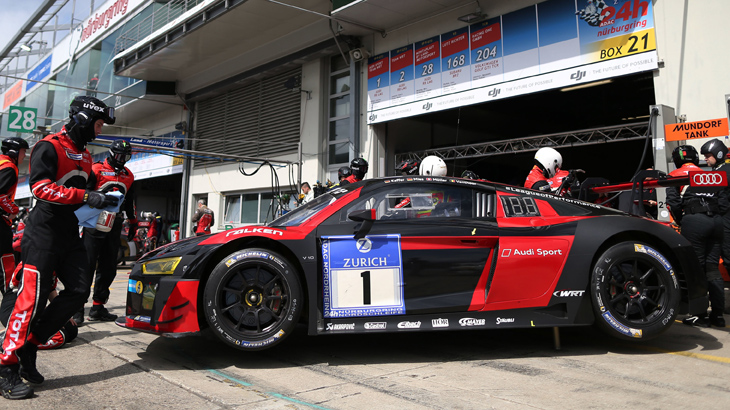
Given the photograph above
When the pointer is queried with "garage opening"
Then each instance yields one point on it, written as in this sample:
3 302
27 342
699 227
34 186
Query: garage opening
600 129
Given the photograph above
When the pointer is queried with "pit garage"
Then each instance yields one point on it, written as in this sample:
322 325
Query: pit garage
599 127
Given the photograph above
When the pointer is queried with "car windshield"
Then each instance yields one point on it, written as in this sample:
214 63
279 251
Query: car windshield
301 214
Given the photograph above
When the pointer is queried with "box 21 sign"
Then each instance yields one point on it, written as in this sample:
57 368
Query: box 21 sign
21 119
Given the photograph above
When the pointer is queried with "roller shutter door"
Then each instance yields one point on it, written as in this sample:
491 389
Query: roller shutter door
258 120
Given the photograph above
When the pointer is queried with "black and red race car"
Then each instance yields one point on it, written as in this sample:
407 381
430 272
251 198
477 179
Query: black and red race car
420 253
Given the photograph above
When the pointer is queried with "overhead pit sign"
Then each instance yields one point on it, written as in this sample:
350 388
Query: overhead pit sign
695 130
553 44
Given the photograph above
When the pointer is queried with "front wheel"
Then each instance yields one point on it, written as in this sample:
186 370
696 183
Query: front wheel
635 292
253 299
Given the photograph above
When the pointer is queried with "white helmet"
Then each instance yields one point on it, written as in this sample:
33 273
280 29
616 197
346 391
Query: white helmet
433 166
549 160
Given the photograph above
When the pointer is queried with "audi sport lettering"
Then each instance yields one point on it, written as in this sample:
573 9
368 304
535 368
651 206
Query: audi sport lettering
531 252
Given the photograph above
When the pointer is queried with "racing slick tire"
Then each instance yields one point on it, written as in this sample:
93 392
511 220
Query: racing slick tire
253 299
634 291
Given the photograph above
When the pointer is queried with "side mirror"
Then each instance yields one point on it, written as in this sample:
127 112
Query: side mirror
362 215
367 217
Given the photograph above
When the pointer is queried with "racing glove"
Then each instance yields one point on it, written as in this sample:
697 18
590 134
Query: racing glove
97 199
132 229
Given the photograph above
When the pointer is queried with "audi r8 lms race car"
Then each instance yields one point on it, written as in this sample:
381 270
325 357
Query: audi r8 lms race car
410 254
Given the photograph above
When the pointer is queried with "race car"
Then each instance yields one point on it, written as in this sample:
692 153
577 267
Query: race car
405 254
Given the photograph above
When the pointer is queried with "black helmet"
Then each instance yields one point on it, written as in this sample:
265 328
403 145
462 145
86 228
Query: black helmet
86 110
12 146
683 154
469 175
119 153
343 172
716 148
407 167
359 167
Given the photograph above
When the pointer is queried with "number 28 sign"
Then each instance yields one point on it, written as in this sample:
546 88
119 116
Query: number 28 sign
21 119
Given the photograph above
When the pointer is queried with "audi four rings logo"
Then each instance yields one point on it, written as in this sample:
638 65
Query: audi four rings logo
710 179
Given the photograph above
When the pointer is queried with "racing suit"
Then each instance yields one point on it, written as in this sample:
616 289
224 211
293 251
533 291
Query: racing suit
700 216
103 247
536 176
51 243
351 179
8 184
204 218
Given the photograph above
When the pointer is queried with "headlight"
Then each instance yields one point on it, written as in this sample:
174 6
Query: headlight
162 266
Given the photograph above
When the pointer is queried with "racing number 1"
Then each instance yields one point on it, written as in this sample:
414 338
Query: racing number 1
365 287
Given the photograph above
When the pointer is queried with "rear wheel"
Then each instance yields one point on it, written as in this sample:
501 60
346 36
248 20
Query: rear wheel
635 292
253 299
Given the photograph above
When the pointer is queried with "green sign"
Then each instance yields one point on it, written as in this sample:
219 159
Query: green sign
21 119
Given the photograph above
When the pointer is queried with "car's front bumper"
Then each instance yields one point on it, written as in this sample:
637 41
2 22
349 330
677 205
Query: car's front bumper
162 305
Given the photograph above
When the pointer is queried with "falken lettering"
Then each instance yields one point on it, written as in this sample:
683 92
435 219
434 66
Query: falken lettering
255 230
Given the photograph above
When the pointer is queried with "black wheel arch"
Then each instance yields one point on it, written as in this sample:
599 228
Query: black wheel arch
250 242
595 235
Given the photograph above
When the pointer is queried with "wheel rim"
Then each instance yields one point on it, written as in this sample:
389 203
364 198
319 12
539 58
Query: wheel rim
254 300
636 291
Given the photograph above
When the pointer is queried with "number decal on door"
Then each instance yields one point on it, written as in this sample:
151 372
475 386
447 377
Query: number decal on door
362 278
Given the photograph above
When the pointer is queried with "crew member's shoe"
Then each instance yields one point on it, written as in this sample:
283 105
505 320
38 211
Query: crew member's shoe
27 355
696 321
78 317
717 321
99 312
11 386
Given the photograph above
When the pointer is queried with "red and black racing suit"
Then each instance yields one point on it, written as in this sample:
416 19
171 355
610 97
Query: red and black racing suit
536 175
103 247
351 180
700 216
8 184
58 174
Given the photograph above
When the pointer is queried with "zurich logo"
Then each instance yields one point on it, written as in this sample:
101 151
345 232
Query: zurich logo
364 245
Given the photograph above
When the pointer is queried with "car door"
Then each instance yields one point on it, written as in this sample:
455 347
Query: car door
429 250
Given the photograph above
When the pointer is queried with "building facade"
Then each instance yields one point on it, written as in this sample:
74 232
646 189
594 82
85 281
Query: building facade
259 96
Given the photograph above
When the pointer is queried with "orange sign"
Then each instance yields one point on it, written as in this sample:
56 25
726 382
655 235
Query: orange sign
696 130
13 94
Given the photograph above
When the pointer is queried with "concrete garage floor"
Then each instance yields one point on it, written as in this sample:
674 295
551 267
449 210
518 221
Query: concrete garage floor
108 367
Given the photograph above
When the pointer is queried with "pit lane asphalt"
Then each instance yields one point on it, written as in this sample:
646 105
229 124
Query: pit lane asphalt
108 367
